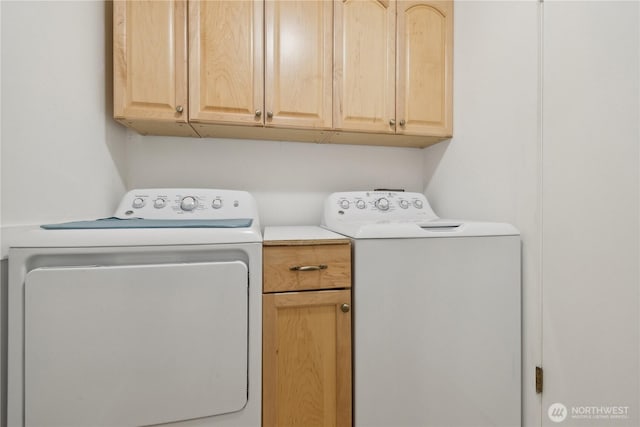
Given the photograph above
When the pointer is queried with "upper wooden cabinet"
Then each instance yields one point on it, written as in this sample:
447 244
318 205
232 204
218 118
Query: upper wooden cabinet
226 74
425 68
150 66
364 88
299 63
232 82
260 63
376 72
393 67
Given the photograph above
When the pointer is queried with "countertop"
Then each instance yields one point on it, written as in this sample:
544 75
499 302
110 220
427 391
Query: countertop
302 235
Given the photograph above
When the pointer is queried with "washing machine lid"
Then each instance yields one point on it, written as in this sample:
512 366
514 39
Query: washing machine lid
396 214
432 229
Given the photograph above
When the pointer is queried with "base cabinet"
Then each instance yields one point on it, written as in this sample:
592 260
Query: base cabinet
306 330
307 359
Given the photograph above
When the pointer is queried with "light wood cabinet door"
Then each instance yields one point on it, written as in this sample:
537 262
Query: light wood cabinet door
226 61
299 63
306 359
425 60
364 85
150 66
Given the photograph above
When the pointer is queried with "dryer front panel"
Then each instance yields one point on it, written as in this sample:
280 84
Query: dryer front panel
136 344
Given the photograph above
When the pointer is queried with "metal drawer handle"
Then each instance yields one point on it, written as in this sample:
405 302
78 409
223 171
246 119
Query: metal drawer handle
308 267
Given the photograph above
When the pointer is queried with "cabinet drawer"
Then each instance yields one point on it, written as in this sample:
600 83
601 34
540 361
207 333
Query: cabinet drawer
306 267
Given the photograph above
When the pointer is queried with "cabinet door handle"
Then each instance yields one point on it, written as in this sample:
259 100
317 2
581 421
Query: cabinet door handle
392 122
402 123
269 114
179 109
308 267
258 113
345 308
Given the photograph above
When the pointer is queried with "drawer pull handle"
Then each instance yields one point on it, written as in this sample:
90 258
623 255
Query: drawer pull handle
308 267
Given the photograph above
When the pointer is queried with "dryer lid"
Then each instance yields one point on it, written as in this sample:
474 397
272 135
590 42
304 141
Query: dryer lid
114 222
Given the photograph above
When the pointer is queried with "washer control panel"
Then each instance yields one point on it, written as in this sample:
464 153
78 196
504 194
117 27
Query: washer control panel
186 203
377 206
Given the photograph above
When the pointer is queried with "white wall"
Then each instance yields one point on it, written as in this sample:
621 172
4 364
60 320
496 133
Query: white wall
591 207
62 154
289 180
489 169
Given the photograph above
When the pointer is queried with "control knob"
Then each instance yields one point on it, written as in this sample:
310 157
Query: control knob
188 203
138 202
382 204
417 204
344 204
360 204
404 204
216 204
159 203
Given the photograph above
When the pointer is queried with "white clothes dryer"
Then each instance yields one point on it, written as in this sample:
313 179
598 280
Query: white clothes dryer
150 317
437 313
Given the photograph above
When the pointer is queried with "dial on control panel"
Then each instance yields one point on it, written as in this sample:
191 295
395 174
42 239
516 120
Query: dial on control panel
404 204
382 204
360 204
216 204
188 203
159 203
344 204
138 203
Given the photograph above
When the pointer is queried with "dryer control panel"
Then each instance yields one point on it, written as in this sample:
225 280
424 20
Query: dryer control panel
187 203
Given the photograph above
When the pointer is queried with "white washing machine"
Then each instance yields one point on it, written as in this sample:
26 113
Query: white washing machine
437 313
148 319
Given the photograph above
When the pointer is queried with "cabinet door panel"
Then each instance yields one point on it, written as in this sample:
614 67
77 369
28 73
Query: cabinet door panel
364 88
299 63
306 359
226 61
425 48
150 63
